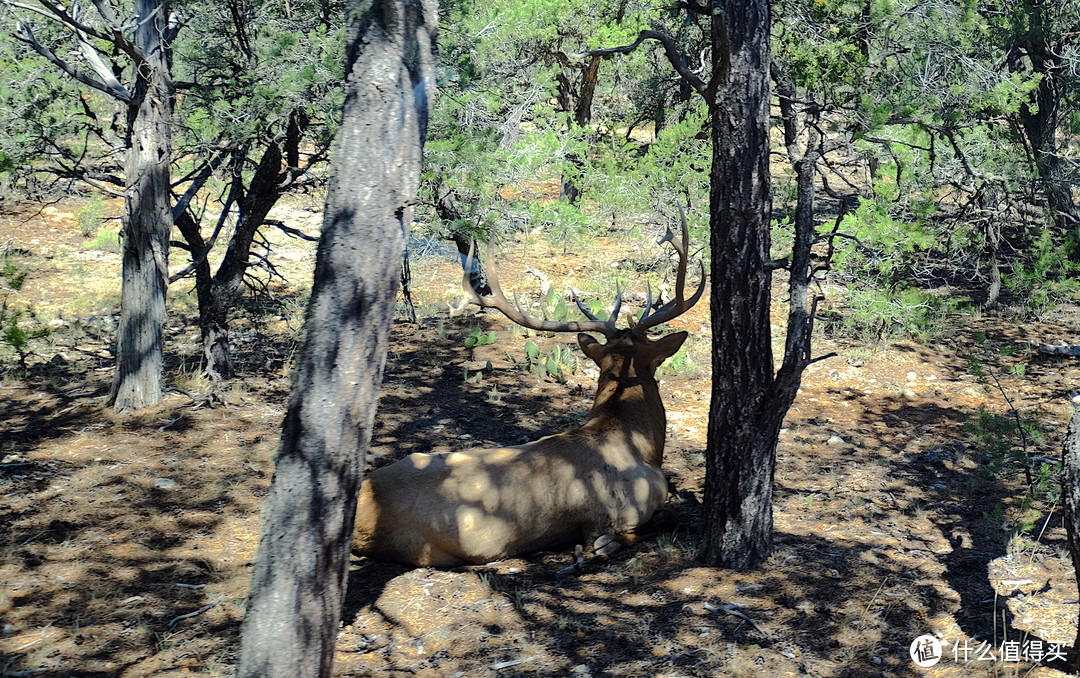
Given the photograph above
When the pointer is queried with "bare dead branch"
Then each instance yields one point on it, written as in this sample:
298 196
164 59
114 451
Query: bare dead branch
26 35
200 179
289 230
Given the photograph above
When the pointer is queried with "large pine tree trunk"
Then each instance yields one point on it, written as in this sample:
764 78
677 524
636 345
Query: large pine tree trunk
298 580
147 219
743 418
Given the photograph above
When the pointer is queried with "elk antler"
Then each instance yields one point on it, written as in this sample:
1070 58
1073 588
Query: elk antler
497 300
680 304
672 309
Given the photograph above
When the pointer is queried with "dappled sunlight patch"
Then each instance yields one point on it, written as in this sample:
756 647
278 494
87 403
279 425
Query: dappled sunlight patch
889 520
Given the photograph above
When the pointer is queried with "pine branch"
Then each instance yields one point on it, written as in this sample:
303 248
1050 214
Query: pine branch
670 50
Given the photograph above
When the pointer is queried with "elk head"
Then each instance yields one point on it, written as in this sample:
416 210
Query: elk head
600 479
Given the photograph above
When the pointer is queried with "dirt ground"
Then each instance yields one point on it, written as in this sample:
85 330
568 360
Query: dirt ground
126 541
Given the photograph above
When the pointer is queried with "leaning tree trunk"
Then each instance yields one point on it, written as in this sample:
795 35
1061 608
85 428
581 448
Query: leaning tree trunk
147 219
204 279
299 577
743 419
263 193
1070 495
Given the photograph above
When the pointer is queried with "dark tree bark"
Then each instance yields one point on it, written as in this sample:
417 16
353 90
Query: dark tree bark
266 187
1039 119
147 217
577 98
749 401
743 419
298 581
1070 496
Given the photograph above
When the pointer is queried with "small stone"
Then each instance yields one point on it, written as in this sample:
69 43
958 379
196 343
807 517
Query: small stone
165 483
835 440
911 376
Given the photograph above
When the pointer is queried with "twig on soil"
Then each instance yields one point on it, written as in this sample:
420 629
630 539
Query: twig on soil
874 598
513 662
731 609
196 613
15 464
170 424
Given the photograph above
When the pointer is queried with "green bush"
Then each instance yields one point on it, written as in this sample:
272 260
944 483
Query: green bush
12 273
89 217
882 315
106 241
1045 277
478 337
18 328
557 365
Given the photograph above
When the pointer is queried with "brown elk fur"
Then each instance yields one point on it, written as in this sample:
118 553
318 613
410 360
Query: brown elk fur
476 506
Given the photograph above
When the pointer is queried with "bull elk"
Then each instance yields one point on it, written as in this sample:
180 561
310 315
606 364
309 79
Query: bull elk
583 486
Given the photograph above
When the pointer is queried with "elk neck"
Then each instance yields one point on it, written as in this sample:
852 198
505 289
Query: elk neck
628 404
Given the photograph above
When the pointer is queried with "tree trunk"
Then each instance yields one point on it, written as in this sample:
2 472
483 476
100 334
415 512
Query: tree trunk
299 577
992 234
214 335
147 219
743 419
580 101
446 209
263 193
217 293
1039 119
1070 495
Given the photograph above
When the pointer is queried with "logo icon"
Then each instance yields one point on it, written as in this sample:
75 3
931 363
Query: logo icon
925 651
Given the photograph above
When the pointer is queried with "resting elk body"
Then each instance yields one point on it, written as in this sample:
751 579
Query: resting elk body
582 486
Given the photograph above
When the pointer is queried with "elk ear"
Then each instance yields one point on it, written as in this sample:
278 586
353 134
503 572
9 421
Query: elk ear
666 347
590 347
